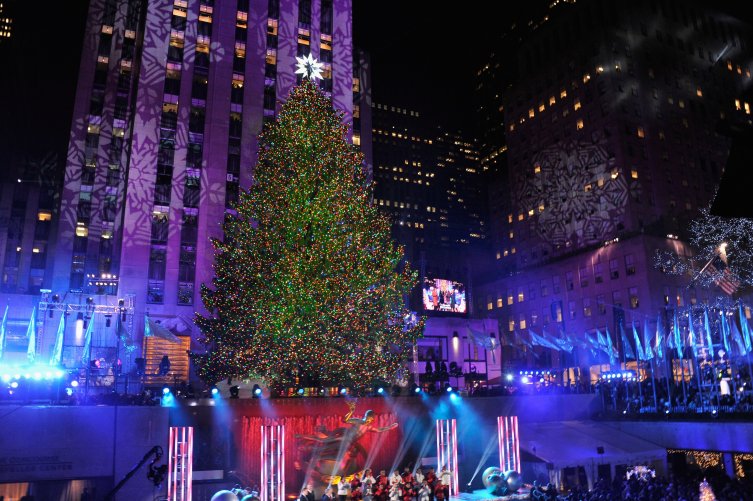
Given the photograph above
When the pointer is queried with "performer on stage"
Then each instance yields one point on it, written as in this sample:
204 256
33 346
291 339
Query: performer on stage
419 476
328 496
445 477
424 493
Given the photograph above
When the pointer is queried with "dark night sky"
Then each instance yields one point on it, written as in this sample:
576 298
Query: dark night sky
425 54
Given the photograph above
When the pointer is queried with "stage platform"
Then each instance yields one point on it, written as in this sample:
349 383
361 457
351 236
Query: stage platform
483 495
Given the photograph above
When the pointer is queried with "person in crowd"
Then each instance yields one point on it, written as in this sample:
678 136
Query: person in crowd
304 494
310 496
407 476
395 492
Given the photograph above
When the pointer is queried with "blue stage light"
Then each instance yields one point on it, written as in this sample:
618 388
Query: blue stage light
525 380
380 390
343 391
74 383
257 391
165 390
37 375
417 389
449 389
454 396
14 384
300 391
69 391
509 377
215 390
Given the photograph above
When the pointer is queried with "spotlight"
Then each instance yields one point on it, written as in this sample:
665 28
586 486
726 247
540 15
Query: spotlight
448 388
380 390
343 390
74 383
234 391
214 391
256 392
666 411
300 391
165 390
69 391
525 380
415 389
509 377
14 384
713 412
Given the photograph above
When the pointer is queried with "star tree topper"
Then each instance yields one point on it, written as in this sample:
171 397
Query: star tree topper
309 67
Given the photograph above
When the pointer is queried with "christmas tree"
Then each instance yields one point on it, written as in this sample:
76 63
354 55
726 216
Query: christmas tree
308 283
705 493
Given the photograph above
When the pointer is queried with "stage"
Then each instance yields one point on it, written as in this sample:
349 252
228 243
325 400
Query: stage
483 495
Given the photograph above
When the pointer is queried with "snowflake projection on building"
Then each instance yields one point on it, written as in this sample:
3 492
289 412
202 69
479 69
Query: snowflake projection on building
576 192
309 67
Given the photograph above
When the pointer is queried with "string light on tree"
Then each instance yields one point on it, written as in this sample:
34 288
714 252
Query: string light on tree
308 283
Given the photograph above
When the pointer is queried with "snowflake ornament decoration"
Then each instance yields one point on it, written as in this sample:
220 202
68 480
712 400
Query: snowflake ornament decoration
309 67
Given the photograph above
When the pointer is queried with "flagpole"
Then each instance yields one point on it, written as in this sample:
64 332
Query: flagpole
653 384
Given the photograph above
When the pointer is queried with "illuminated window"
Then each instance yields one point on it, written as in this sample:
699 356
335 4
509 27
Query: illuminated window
510 298
521 296
737 104
499 254
552 100
747 109
634 174
357 139
641 132
530 212
522 321
586 78
509 218
563 94
661 135
541 208
615 173
698 92
588 187
512 251
599 69
500 302
82 231
536 169
576 105
511 324
521 217
44 215
579 124
541 107
633 293
531 113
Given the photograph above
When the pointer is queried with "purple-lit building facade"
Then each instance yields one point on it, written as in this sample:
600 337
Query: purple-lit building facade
170 100
609 149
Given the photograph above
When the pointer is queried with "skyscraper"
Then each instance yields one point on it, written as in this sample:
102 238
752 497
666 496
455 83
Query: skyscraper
429 182
171 98
6 21
609 113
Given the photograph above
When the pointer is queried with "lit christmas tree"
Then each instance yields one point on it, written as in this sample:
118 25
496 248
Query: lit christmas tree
308 282
705 493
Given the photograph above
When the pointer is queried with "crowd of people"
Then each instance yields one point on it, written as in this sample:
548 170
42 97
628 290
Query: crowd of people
662 489
662 397
406 486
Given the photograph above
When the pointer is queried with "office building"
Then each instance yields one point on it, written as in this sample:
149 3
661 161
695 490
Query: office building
609 113
170 100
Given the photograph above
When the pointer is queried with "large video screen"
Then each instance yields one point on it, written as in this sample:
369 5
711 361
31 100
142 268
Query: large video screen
443 296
